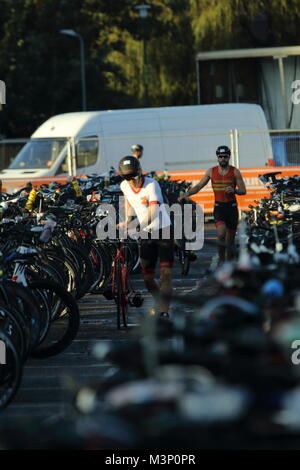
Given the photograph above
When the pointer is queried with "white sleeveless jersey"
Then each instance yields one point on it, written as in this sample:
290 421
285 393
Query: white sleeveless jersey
140 199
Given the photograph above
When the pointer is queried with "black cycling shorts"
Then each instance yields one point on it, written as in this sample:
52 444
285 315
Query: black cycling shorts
161 248
226 213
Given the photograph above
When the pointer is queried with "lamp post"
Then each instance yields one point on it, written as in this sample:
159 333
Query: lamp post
143 12
71 32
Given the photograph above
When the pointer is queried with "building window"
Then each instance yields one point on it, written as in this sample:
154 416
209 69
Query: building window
233 81
219 92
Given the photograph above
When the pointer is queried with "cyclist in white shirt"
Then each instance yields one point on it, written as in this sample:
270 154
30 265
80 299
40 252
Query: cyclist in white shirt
143 195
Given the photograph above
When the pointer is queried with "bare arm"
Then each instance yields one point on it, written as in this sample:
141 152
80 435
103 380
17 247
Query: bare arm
128 215
128 209
153 202
203 182
153 210
241 188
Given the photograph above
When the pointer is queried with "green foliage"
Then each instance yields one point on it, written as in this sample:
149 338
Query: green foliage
41 67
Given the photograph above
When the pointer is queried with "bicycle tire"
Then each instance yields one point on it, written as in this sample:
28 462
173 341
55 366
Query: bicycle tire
124 296
67 310
17 328
120 296
57 259
117 290
96 257
107 260
183 257
86 272
39 270
29 308
186 264
10 373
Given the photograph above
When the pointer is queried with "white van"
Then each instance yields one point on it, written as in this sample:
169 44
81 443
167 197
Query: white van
174 138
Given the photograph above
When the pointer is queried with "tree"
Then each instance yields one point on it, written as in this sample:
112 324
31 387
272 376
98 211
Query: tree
230 24
41 67
170 45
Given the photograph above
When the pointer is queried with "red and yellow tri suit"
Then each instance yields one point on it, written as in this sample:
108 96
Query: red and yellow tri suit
225 210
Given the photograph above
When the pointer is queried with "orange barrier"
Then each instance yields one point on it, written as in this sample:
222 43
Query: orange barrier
255 189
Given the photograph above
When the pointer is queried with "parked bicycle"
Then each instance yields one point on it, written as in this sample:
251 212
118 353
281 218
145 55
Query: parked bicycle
122 289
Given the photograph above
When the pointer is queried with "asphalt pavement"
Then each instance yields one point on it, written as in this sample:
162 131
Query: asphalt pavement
46 384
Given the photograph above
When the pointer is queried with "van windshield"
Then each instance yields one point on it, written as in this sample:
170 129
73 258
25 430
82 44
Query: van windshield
38 153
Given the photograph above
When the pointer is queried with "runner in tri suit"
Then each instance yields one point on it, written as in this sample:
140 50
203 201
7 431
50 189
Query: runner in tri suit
226 181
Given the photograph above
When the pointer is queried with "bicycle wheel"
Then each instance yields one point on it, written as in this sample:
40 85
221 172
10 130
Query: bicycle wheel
17 327
184 258
124 295
86 270
10 372
106 260
62 262
136 265
120 295
29 308
39 270
98 265
64 315
186 263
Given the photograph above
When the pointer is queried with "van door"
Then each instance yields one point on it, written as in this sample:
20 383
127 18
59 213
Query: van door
189 141
87 150
122 129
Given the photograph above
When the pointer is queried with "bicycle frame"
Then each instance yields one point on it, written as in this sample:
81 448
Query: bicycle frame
120 282
19 270
182 253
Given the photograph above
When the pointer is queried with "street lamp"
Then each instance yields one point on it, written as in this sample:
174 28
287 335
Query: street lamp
143 12
71 32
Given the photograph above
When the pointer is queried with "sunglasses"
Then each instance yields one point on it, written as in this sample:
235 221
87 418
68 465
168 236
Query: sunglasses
223 156
131 176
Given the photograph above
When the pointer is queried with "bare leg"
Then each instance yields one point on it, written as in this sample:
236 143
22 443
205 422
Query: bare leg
165 288
221 234
230 236
149 281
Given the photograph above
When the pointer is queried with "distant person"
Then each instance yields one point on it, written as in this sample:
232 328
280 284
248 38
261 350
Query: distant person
226 181
137 150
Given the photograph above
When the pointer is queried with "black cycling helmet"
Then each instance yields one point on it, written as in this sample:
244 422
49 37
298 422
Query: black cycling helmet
129 165
137 147
223 150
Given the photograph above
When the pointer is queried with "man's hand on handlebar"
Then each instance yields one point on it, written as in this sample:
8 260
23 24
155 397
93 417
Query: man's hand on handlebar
183 197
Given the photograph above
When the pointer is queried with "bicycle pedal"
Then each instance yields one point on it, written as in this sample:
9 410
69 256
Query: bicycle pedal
136 300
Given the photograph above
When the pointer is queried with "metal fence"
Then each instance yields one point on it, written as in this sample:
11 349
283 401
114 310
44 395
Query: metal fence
285 145
282 146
